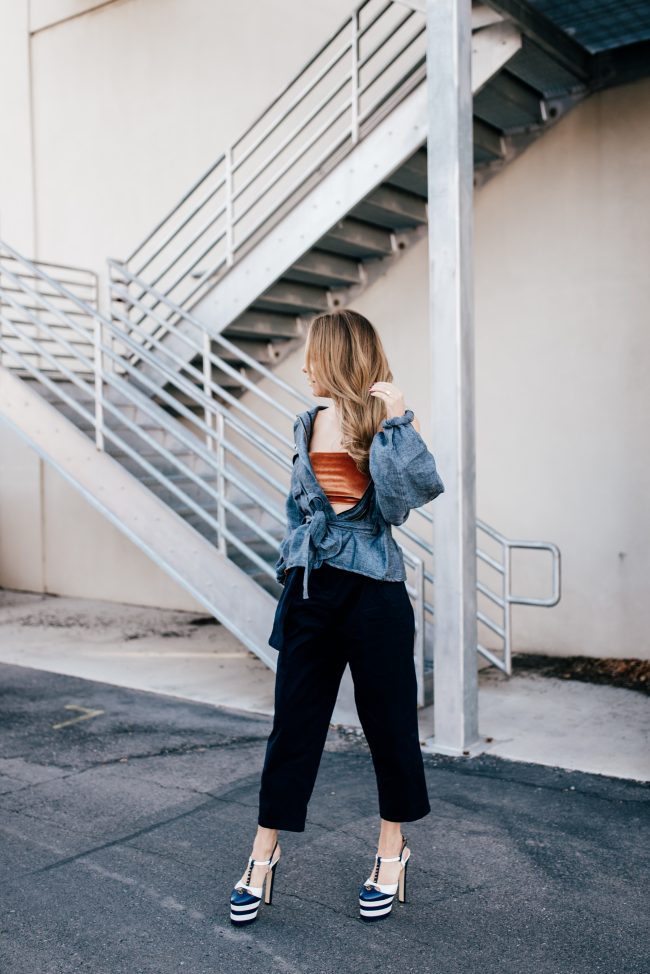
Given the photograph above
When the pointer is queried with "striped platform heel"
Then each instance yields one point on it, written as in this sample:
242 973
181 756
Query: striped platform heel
245 899
376 899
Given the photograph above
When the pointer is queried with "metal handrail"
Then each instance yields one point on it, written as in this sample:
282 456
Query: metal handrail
134 398
197 346
126 448
280 142
102 370
146 405
83 282
150 410
506 599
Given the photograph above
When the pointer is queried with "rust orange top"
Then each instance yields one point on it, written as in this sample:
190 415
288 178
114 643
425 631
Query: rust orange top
339 476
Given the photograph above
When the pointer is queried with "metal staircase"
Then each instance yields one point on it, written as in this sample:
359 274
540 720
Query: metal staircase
166 413
196 478
328 186
317 198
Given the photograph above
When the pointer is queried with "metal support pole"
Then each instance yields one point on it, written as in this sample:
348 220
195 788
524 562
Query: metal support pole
419 634
450 213
98 350
214 421
221 482
230 244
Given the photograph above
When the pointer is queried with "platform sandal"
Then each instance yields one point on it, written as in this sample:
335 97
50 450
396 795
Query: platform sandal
245 899
376 899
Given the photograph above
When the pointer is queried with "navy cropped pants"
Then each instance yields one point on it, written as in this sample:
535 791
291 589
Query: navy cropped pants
370 624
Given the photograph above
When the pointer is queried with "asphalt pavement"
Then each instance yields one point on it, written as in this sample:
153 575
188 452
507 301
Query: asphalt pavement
127 816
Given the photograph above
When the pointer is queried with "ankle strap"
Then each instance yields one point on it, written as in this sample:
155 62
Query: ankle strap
393 858
263 862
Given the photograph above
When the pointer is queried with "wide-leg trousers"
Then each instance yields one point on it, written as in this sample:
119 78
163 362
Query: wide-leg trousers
370 624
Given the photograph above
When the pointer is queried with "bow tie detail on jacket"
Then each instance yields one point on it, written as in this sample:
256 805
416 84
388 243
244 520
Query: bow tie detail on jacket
321 540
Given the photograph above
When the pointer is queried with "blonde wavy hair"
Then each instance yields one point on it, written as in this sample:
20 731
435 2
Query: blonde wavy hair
346 355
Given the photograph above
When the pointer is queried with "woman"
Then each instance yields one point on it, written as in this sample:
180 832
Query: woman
359 466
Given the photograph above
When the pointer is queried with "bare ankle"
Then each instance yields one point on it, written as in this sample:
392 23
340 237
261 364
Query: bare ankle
264 842
390 841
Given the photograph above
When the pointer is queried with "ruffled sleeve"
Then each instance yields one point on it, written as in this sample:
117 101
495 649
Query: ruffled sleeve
402 468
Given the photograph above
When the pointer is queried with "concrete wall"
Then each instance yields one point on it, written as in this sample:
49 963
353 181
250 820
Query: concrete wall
52 540
134 99
561 294
563 355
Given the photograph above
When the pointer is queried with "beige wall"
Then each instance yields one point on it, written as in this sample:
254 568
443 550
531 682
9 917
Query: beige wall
561 294
16 150
563 355
134 100
52 540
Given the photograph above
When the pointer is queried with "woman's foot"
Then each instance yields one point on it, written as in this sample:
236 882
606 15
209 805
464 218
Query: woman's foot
262 849
387 879
389 871
257 881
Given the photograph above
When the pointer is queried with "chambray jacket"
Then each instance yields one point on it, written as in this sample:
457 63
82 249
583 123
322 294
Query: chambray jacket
403 476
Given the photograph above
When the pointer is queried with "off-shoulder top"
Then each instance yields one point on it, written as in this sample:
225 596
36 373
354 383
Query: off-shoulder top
339 476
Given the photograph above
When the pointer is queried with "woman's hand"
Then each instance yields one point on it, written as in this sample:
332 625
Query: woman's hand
394 399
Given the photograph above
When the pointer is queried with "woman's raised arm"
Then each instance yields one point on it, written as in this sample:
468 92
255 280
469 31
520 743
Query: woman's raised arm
402 468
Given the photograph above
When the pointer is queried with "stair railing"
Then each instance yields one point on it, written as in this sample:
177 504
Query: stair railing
504 597
83 283
110 386
106 374
375 58
500 595
116 375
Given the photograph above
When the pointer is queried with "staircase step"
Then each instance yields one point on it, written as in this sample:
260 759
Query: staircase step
158 461
328 270
281 347
412 176
196 408
219 377
224 379
357 239
265 551
291 296
234 493
236 527
508 104
488 143
394 208
134 436
255 323
266 352
71 389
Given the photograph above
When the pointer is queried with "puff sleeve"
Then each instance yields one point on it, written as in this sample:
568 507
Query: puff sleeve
402 468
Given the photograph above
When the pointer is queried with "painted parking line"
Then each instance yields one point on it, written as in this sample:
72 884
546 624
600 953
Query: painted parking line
86 715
